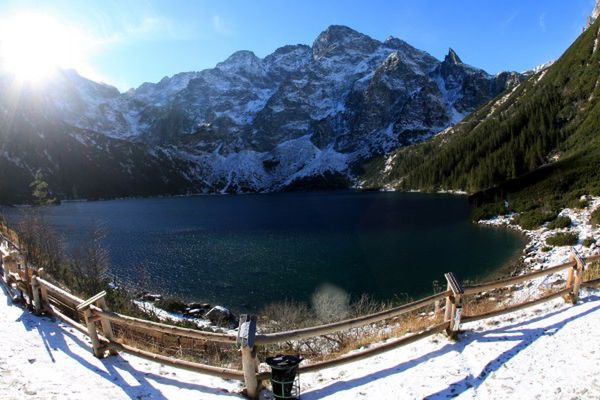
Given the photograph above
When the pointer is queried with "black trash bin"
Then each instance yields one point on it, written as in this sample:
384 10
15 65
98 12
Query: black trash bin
284 370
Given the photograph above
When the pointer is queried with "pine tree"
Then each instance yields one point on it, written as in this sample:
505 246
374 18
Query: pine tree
40 190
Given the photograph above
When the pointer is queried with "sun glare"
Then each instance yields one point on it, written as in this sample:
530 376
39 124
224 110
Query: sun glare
32 46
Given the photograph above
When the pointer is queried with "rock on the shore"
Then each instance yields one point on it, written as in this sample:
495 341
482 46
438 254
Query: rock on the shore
221 316
151 296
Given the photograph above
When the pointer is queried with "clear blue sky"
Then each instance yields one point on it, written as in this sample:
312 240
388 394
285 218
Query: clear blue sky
137 41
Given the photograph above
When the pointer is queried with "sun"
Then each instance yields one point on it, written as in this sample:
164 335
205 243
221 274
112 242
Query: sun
32 46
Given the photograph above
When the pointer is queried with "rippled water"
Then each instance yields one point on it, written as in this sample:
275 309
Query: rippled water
248 250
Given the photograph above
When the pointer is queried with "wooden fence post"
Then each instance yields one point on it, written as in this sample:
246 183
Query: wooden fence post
245 339
448 307
43 290
28 286
454 312
570 276
91 328
35 290
578 270
91 324
106 325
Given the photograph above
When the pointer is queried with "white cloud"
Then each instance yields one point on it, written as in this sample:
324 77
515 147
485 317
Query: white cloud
148 28
543 22
510 19
220 27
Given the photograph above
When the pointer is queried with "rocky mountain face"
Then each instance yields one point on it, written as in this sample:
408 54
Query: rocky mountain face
300 115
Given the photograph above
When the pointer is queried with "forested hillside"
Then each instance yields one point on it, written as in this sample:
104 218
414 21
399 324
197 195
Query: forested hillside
538 145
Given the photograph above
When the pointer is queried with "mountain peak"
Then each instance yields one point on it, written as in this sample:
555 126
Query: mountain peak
452 58
337 30
243 60
241 57
336 36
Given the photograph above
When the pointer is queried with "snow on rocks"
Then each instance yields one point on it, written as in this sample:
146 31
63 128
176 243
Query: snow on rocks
200 319
221 316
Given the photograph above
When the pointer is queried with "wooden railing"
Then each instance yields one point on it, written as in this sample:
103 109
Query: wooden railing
97 319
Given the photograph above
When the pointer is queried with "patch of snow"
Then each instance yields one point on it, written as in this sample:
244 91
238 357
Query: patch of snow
502 100
540 68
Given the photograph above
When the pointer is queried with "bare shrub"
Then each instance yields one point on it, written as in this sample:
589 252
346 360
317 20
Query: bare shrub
285 316
366 305
330 303
91 263
41 246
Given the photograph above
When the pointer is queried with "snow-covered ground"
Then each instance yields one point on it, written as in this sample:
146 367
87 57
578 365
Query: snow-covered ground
547 351
41 358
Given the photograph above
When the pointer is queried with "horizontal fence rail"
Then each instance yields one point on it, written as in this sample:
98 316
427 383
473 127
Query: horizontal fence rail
163 328
484 287
326 329
224 373
517 307
390 345
93 318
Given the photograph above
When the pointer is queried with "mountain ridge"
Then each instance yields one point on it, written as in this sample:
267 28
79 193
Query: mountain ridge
255 124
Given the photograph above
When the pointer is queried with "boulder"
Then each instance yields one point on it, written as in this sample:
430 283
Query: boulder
194 313
222 317
196 310
151 297
202 306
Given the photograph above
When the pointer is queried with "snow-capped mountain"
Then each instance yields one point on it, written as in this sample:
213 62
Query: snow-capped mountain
256 124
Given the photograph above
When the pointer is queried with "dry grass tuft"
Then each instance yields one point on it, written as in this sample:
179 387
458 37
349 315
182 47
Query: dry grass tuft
200 351
592 271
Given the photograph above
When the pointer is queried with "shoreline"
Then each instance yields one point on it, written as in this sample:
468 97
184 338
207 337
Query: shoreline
352 189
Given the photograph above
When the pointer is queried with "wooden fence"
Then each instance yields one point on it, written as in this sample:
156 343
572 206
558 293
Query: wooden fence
93 318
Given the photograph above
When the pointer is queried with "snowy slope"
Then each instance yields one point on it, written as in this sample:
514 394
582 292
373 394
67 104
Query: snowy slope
547 351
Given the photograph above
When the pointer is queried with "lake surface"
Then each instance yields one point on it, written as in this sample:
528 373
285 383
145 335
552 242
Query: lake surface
249 250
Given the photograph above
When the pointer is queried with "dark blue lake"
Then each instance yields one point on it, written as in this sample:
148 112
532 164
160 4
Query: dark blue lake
248 250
